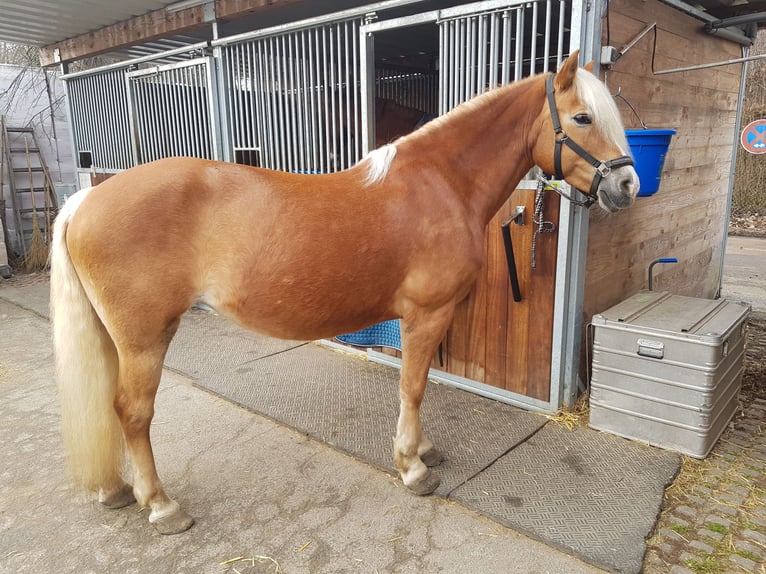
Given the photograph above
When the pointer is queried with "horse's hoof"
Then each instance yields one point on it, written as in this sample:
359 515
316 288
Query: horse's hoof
174 523
433 457
119 498
426 485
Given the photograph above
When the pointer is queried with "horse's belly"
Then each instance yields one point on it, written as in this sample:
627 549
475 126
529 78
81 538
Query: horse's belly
305 314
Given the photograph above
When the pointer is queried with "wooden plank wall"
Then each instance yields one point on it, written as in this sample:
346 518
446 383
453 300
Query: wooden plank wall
687 217
494 339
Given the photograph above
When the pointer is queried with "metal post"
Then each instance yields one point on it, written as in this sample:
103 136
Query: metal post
367 73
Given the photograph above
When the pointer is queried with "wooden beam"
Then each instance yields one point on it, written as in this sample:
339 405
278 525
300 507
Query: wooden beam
147 27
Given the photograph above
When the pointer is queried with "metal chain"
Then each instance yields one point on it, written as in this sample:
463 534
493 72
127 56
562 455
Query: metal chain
538 218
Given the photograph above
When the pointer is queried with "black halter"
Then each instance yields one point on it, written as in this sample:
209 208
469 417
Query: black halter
603 168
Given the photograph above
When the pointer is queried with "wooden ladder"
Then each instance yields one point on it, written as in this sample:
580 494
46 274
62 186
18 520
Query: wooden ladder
30 184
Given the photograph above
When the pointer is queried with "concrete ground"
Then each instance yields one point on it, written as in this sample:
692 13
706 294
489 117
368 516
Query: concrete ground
266 499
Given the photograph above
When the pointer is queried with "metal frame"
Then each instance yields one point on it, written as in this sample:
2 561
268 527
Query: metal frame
466 70
97 106
173 111
573 239
293 96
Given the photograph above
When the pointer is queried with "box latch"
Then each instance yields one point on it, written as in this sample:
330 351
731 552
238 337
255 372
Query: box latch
649 348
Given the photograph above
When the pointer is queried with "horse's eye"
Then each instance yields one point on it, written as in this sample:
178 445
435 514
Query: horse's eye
583 119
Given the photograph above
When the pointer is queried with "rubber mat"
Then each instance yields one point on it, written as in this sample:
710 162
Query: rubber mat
591 494
207 344
353 405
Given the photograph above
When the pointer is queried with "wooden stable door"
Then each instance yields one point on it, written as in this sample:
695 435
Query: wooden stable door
493 339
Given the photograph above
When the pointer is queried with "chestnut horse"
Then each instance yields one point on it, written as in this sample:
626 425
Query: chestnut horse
399 235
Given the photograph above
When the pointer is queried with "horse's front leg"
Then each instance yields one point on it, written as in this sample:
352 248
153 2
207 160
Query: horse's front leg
421 333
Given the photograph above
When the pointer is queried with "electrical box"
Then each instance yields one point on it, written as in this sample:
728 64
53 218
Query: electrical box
667 369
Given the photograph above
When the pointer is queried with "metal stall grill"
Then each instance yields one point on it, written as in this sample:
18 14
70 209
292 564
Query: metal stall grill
99 117
482 50
172 111
414 89
293 98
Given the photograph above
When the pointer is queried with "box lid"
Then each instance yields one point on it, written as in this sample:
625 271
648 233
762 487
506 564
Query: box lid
663 311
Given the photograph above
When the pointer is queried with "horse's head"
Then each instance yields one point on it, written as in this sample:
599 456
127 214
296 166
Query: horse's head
582 139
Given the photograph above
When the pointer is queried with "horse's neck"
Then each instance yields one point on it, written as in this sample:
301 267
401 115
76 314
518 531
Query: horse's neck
487 145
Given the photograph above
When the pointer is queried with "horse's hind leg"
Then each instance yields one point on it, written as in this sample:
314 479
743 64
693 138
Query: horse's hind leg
138 381
413 452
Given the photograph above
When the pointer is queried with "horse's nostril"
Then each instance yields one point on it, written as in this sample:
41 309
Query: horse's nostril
627 185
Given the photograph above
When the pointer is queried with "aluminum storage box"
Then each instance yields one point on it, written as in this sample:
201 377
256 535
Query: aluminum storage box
667 369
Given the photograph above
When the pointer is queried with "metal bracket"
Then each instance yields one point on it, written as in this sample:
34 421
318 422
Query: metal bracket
518 214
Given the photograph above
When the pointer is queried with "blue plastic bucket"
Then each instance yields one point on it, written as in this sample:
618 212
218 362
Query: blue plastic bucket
649 148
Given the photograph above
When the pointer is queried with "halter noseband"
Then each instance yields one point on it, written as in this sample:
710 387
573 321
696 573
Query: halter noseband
603 168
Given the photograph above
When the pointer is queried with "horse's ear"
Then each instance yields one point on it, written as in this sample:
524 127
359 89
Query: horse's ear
566 74
589 66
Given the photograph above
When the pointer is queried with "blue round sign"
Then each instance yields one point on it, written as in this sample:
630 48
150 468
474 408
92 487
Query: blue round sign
753 137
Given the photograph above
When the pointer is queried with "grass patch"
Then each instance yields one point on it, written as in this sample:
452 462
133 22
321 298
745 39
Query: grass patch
719 528
680 528
748 555
704 565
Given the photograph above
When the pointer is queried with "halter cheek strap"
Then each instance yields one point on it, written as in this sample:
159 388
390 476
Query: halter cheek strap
603 168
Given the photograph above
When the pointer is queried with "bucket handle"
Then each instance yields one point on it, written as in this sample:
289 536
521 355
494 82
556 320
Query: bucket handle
624 99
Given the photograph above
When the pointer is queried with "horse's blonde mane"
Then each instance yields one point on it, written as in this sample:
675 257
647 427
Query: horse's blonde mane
590 90
378 163
600 102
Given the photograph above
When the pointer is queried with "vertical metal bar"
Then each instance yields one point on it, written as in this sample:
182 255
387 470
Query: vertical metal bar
199 115
533 41
518 73
120 89
445 68
494 44
560 46
311 64
333 117
355 91
505 76
195 111
463 23
276 64
291 98
348 96
215 121
367 73
304 109
482 46
202 73
327 86
266 143
547 51
185 92
176 124
100 84
238 95
249 84
165 120
132 120
470 53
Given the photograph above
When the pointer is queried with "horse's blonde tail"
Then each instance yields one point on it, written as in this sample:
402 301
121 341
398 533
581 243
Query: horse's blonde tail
86 367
